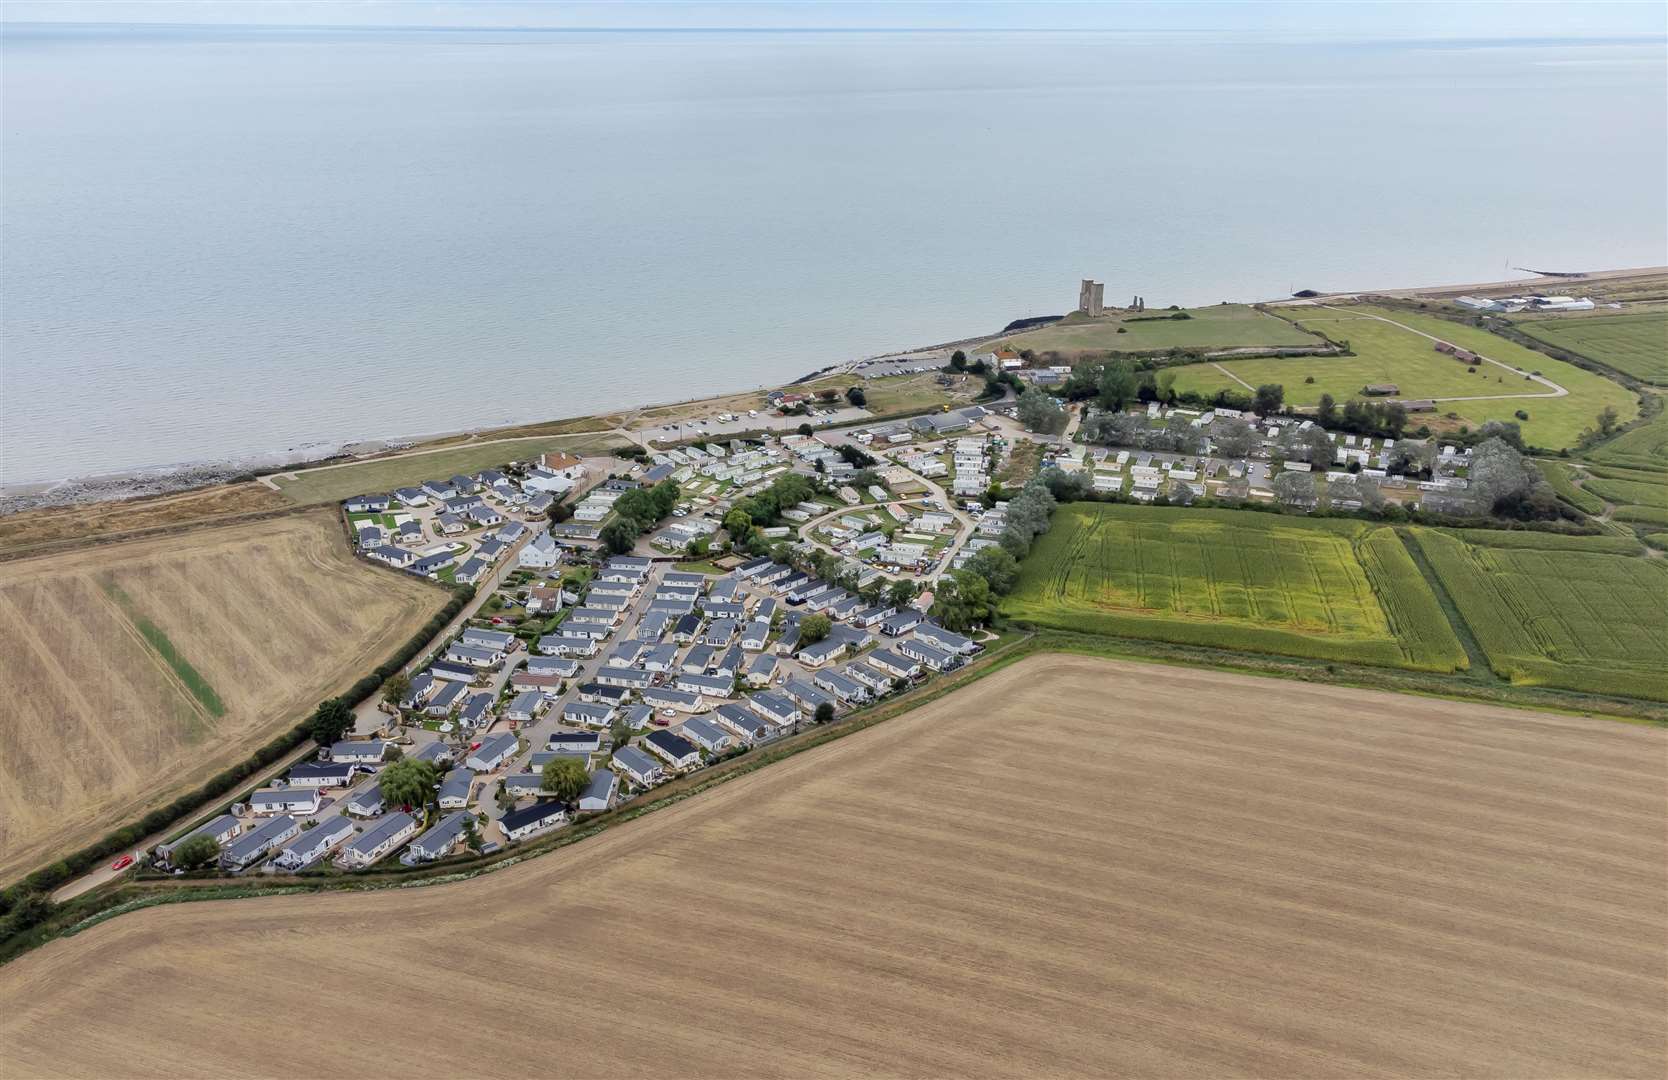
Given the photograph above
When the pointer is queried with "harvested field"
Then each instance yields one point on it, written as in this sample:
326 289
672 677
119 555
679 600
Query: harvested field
1236 877
1329 589
134 671
30 531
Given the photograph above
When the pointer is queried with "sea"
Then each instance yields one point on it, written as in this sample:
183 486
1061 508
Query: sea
233 246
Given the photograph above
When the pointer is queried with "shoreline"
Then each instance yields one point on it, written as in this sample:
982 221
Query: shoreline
156 480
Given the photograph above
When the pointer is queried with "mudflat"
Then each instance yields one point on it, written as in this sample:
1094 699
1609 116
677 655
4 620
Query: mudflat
1072 867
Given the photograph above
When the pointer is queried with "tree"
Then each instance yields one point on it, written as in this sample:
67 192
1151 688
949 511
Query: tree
619 537
1268 399
559 512
961 601
194 853
1118 385
619 732
1165 384
1233 438
901 592
1041 411
1317 446
397 686
824 713
999 569
1606 421
408 782
1499 474
331 720
806 429
813 628
564 778
856 396
472 834
1295 488
1327 411
958 361
738 523
1353 488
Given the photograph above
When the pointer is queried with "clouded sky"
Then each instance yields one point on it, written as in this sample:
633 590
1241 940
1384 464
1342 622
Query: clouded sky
1402 18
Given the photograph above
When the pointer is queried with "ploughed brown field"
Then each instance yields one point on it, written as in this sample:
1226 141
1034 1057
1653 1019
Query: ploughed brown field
1073 867
132 672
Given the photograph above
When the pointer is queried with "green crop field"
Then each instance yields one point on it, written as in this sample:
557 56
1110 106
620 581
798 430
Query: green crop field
1387 353
1637 489
1581 613
1644 448
1635 344
335 483
1560 476
1330 589
1224 326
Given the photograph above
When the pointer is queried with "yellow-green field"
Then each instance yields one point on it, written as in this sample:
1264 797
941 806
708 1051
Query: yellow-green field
1331 589
1581 613
1636 344
1224 326
1399 354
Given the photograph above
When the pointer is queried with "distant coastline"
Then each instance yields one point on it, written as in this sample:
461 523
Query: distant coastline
187 476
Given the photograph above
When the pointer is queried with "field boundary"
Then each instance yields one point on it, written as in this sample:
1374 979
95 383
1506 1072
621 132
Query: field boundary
98 906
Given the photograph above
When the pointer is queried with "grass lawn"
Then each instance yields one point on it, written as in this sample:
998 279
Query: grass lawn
1571 612
892 394
335 483
1390 354
1224 326
1328 589
1636 344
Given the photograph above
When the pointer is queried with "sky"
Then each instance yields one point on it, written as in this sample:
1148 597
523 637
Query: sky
1368 18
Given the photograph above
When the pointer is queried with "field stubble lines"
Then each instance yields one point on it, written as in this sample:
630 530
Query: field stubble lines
1165 930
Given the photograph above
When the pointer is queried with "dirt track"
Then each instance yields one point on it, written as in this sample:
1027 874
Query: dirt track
1075 867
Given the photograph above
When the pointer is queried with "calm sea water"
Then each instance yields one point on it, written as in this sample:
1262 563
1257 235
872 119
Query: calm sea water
220 243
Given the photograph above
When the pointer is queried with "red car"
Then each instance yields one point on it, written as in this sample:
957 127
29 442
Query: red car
122 863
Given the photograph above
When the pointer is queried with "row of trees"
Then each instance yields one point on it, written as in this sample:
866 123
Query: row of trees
638 511
967 597
1383 418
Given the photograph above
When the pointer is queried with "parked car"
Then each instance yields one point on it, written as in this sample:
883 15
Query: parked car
122 863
